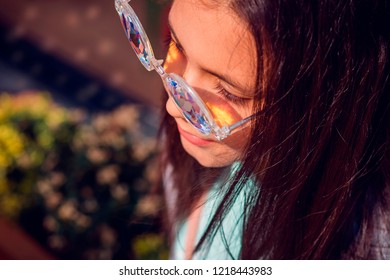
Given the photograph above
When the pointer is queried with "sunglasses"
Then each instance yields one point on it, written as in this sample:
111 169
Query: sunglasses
184 96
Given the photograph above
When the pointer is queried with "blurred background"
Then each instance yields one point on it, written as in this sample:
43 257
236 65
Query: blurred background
78 120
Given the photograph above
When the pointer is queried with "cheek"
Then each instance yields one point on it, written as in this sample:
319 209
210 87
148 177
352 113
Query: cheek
238 141
219 154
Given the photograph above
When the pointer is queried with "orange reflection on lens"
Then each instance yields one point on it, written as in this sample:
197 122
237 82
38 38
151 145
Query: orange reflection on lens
172 56
222 115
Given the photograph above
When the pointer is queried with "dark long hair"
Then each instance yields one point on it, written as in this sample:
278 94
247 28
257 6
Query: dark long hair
319 152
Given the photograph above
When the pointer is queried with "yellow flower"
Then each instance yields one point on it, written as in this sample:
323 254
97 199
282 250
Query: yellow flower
21 103
55 117
11 145
4 161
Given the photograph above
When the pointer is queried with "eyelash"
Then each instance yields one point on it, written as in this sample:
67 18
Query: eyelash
228 96
169 42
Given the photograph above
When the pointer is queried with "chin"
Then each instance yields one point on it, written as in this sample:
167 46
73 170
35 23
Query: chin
208 156
210 163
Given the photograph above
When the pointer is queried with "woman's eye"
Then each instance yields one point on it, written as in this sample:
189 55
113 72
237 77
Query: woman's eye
229 96
175 48
170 44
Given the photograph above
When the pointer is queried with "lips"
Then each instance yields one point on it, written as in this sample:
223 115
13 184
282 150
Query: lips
195 140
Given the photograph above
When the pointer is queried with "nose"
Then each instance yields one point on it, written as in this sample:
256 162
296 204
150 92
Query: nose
183 69
189 75
178 64
172 109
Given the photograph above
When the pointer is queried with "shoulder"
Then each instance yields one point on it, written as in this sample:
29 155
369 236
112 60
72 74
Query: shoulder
226 242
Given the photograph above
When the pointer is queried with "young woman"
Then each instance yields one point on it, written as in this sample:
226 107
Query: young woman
309 177
276 141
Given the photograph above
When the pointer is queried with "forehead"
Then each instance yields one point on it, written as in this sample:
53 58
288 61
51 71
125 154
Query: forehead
214 37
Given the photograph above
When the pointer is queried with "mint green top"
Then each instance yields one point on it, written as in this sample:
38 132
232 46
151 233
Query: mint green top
229 233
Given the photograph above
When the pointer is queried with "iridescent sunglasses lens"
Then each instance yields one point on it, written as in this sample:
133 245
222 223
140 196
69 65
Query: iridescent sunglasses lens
186 101
132 30
191 106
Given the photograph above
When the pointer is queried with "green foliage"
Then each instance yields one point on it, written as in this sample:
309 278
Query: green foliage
83 180
30 126
150 247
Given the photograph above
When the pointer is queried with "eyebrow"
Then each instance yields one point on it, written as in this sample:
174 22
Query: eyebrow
222 77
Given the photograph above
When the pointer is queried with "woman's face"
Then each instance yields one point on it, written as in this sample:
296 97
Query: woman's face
214 51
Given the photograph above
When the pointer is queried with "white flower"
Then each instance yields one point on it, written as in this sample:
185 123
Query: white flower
68 211
108 175
148 206
120 192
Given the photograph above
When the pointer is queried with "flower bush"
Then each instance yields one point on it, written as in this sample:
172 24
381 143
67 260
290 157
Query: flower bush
81 184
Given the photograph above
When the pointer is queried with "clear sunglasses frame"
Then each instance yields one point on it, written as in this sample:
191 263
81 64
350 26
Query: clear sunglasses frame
184 96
